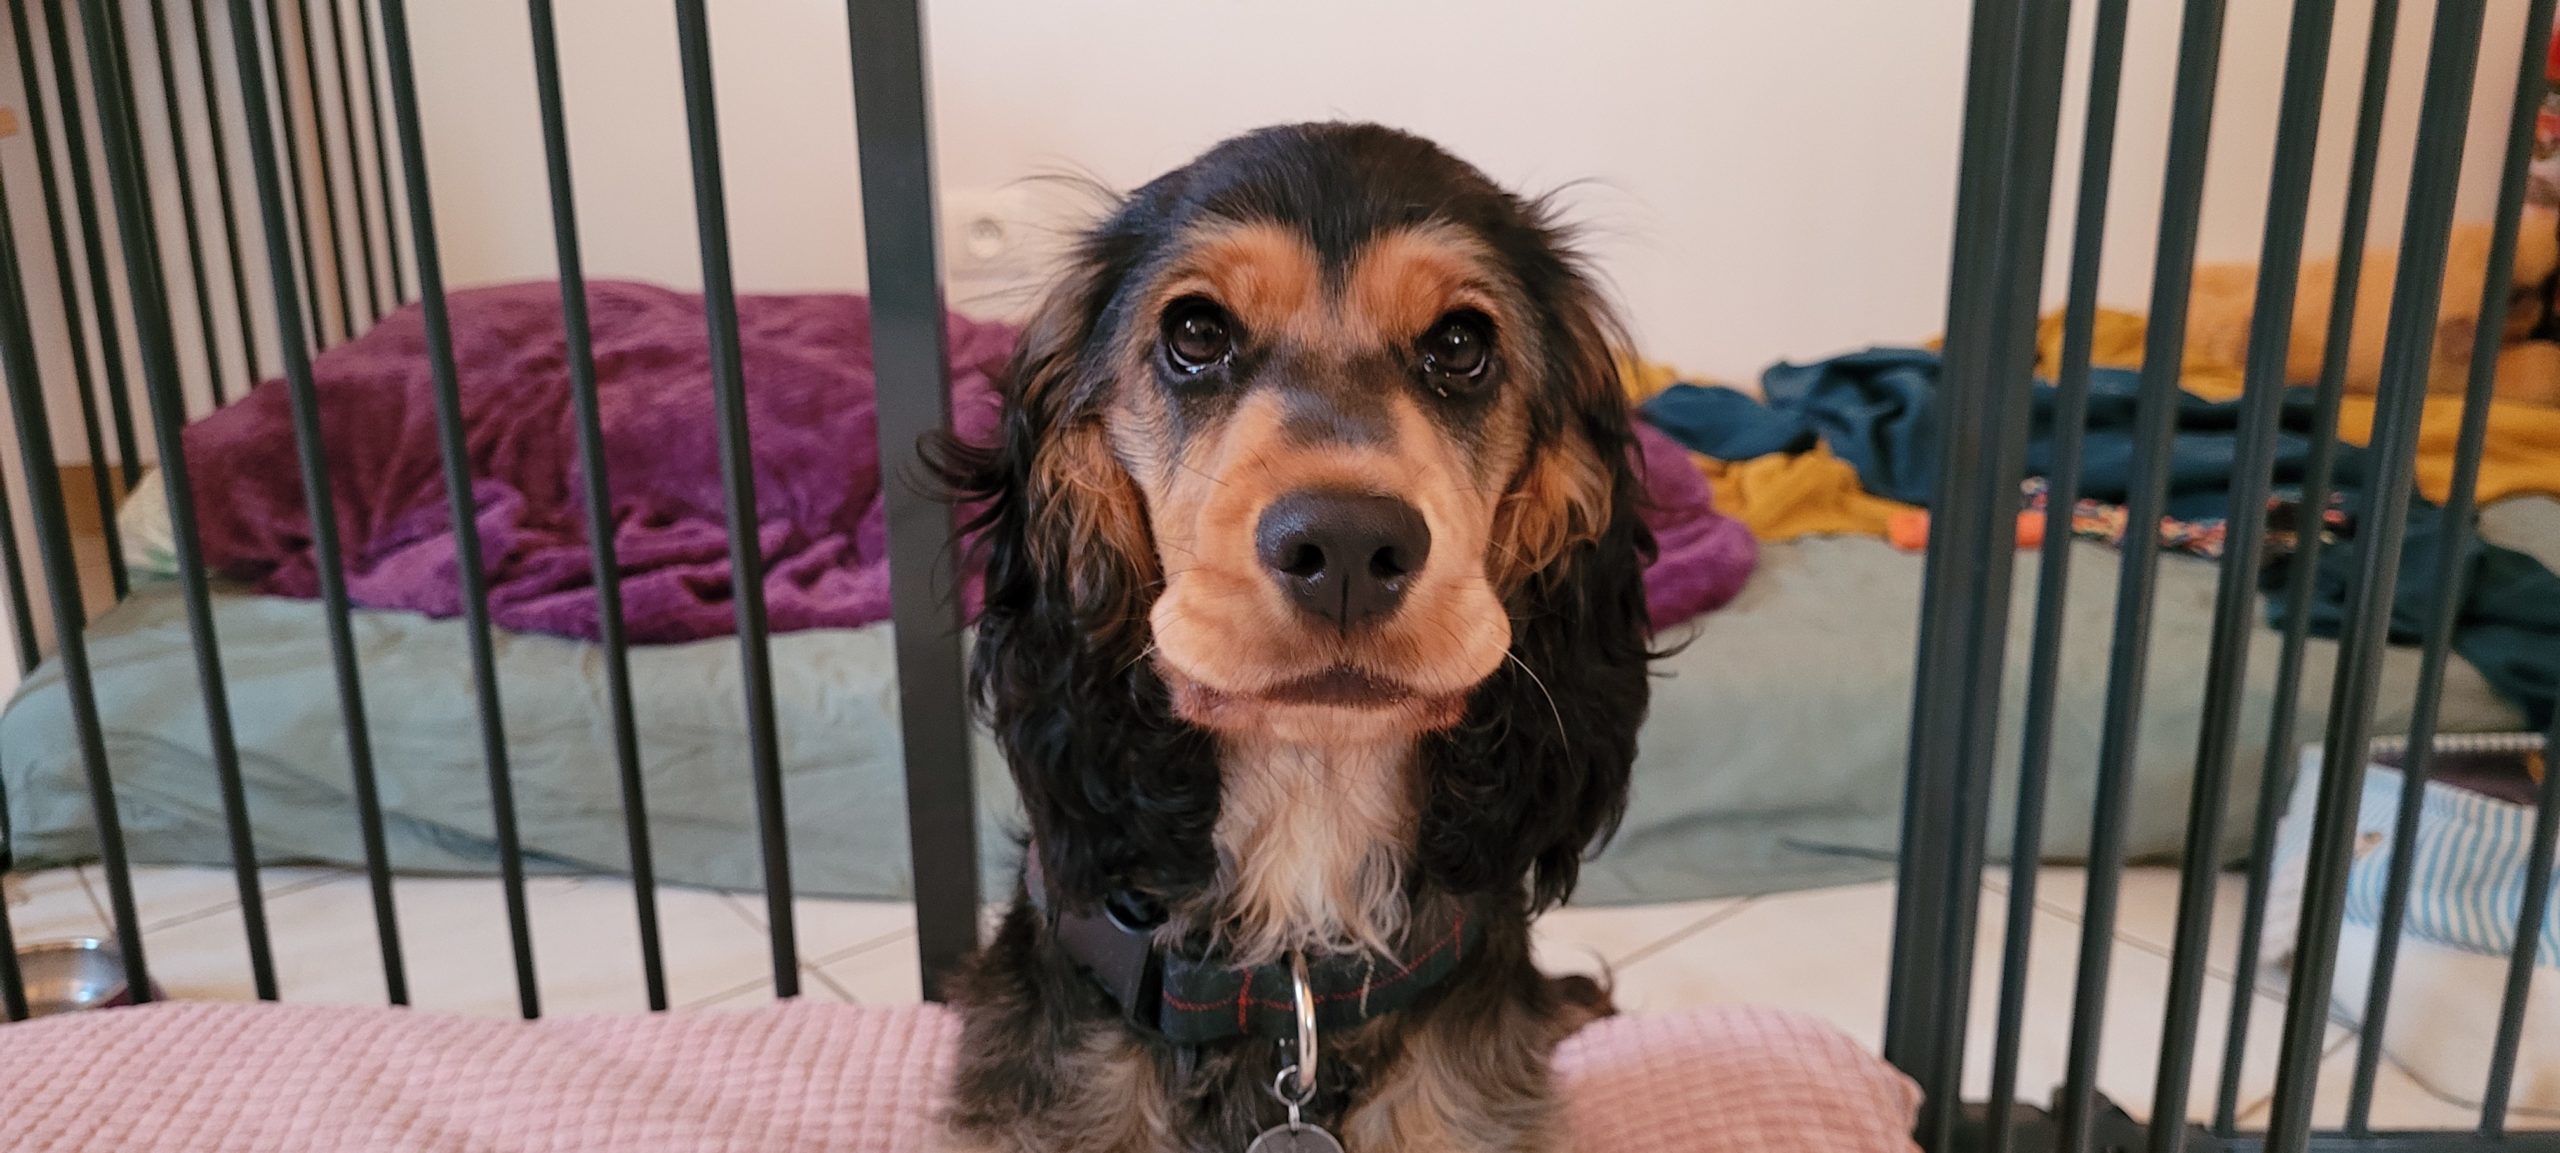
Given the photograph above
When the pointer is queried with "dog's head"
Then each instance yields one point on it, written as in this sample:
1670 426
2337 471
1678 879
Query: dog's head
1319 438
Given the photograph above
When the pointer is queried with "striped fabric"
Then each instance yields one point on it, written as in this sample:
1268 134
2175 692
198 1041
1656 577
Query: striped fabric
2468 885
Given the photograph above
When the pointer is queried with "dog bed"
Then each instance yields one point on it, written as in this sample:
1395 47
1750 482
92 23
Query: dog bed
792 1076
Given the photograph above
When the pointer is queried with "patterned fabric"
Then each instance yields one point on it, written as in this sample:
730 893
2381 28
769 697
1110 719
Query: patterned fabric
2100 521
216 1078
1206 1000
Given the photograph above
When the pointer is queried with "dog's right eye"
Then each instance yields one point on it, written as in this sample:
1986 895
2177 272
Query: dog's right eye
1197 335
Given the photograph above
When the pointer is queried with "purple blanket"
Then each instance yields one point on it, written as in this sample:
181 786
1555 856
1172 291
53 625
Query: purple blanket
817 474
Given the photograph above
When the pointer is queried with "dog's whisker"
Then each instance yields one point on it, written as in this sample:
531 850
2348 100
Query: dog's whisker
1517 557
1143 654
1562 734
1197 471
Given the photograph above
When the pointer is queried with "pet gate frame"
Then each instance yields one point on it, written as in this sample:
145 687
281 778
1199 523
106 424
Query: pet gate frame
297 111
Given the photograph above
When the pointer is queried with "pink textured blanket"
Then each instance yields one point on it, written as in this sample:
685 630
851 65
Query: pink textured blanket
277 1078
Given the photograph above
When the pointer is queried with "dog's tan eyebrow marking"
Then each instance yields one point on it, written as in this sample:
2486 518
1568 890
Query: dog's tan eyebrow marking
1266 275
1404 280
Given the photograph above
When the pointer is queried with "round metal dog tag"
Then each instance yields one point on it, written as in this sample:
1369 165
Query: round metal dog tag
1294 1139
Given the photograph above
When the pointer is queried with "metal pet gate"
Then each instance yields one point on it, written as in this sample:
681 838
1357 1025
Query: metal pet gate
299 108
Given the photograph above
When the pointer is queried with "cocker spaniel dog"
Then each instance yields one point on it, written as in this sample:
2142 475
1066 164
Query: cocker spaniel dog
1315 636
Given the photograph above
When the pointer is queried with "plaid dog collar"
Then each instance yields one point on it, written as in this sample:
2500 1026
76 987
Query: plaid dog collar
1194 1000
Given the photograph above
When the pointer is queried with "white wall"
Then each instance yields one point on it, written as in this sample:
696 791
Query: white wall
1761 180
1764 180
2245 112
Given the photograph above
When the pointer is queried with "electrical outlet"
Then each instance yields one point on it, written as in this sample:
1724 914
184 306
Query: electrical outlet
989 239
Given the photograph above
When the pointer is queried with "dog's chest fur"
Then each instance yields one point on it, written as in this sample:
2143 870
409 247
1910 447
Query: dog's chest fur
1313 838
1315 841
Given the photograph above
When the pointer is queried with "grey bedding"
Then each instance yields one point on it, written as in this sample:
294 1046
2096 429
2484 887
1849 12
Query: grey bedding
1773 759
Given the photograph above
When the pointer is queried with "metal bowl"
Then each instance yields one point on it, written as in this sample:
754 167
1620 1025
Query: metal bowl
81 973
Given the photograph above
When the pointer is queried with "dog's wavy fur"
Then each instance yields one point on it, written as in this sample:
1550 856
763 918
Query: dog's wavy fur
1493 812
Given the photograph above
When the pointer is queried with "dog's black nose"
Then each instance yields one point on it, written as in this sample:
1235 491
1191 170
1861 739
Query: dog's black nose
1346 557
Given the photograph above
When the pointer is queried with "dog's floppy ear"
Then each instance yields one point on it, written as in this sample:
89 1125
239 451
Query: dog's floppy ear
1080 517
1119 792
1537 772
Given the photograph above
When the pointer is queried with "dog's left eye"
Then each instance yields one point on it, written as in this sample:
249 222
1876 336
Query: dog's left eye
1197 335
1457 349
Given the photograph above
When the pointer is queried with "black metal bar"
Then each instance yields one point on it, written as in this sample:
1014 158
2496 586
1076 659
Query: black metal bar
2417 289
314 461
894 131
1912 993
120 130
247 321
2306 73
599 494
2173 269
102 293
291 134
75 327
457 482
114 27
116 39
62 583
13 986
381 154
2019 257
328 174
2453 544
2013 115
103 35
2530 917
115 36
1915 989
738 482
22 617
355 165
175 110
2276 773
2053 572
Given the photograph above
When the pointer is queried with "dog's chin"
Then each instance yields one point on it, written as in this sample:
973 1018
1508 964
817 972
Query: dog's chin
1331 705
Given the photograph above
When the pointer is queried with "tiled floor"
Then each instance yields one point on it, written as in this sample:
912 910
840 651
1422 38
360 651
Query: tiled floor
1820 952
